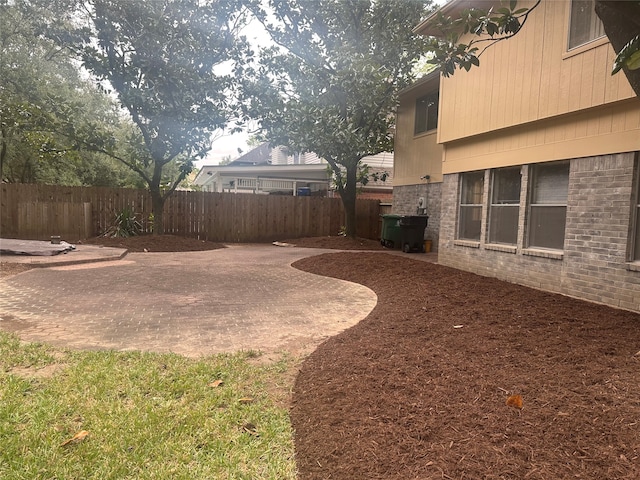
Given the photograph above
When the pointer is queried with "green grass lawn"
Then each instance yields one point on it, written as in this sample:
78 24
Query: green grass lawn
148 416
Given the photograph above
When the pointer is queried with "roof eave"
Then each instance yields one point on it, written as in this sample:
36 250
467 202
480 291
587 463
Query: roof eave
450 9
431 77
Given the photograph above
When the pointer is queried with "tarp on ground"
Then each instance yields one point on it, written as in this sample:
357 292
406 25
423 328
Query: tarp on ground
11 246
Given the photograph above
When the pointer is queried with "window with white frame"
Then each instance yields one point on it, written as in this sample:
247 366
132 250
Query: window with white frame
426 113
584 24
635 254
549 188
504 206
470 211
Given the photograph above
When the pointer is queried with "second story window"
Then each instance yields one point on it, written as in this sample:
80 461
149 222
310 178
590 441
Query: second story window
584 24
426 113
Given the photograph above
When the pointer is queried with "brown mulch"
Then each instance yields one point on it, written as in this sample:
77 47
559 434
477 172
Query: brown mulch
173 243
418 389
155 243
337 243
8 269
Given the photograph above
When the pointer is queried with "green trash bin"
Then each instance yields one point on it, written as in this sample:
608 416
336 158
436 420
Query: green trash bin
390 235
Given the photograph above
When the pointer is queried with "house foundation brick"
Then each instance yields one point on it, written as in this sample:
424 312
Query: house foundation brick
594 263
405 202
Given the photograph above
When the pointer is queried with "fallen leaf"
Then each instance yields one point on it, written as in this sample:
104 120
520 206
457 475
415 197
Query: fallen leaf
515 401
78 437
283 244
251 429
215 384
246 400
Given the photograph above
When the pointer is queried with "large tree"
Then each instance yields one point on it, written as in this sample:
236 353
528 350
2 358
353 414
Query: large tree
170 65
330 84
482 28
42 96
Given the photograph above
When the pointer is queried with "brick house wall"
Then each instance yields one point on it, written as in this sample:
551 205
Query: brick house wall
405 202
371 195
594 263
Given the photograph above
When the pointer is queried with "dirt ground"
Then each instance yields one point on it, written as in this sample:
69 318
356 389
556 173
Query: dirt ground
172 243
419 389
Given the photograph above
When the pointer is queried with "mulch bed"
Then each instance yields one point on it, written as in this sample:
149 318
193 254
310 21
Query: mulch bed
337 242
418 389
173 243
155 243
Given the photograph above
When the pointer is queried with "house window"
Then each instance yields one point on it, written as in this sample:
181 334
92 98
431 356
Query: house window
505 205
470 214
548 205
636 214
426 114
584 24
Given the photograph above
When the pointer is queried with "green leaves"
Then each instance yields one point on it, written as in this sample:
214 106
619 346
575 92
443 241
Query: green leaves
629 56
48 111
171 66
491 26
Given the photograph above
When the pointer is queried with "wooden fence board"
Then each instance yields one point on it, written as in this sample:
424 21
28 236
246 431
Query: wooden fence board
64 219
39 211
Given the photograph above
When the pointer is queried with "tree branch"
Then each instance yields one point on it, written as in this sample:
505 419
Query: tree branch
621 21
526 17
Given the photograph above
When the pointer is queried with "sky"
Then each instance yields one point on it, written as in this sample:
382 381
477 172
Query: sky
224 146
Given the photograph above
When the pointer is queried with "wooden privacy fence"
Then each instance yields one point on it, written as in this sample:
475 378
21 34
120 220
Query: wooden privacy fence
37 212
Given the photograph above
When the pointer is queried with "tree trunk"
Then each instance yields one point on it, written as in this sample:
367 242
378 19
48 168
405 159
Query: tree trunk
3 152
157 208
348 195
157 198
621 21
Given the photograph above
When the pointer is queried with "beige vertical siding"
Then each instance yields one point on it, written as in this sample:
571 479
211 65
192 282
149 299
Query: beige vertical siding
598 131
415 155
530 77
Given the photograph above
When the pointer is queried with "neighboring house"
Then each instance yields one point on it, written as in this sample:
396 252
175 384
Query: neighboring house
281 156
540 164
380 181
274 170
266 170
